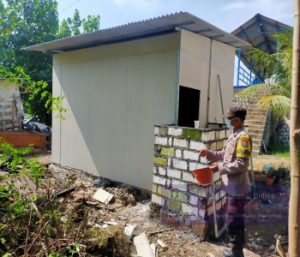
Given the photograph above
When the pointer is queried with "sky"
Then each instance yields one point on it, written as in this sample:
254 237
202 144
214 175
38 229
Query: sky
225 14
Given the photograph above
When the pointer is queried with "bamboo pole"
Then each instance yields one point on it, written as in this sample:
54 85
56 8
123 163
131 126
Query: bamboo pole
294 205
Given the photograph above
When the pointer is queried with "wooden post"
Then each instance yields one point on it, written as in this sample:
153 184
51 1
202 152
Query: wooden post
294 205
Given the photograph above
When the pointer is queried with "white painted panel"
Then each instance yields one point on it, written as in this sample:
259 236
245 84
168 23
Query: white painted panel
222 64
75 134
194 67
194 73
113 103
56 121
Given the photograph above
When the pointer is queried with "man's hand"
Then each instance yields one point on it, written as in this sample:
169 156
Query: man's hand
214 167
203 153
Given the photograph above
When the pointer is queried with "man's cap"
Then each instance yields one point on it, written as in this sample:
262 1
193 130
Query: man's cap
236 112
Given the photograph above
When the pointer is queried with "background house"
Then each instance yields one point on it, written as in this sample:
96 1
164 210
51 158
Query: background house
259 33
118 83
12 113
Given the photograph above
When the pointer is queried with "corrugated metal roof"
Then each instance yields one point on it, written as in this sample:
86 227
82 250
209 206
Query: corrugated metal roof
258 31
156 26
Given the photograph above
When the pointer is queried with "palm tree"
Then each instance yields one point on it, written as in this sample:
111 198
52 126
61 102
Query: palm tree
277 68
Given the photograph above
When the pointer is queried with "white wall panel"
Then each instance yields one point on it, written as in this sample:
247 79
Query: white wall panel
113 100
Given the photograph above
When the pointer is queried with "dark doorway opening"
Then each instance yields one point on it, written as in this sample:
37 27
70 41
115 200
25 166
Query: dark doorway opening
189 100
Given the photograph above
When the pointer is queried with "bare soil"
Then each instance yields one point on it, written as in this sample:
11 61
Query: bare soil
266 217
259 161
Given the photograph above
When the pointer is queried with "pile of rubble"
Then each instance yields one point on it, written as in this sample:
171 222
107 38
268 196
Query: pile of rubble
111 205
99 217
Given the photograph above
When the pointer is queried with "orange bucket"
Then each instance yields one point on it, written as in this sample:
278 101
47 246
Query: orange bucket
203 176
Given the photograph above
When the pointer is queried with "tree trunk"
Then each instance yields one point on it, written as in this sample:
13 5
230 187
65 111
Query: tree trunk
294 205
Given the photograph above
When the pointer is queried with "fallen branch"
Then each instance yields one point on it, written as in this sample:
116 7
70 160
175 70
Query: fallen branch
64 192
37 236
37 211
160 231
27 231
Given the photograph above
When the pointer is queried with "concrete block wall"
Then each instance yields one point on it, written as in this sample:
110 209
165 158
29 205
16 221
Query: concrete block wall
183 201
10 115
283 134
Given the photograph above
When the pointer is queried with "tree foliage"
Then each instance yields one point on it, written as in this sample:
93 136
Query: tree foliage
24 23
278 65
33 89
277 69
75 25
28 22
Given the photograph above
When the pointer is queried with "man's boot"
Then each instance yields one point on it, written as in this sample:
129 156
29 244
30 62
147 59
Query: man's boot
234 252
236 242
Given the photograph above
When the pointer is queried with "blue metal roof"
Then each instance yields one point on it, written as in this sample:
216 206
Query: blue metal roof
259 31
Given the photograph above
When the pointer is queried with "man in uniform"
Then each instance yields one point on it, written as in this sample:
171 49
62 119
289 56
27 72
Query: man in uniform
232 162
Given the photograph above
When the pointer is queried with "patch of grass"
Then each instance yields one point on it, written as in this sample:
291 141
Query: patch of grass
192 134
35 222
108 242
283 154
280 150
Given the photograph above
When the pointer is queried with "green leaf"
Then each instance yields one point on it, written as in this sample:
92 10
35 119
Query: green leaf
277 69
28 22
7 255
279 105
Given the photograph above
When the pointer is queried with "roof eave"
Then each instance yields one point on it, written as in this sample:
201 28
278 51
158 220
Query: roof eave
149 28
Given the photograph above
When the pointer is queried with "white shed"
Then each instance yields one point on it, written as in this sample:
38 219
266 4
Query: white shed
118 83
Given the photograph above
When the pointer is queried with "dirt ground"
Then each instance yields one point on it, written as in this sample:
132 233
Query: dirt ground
277 162
267 217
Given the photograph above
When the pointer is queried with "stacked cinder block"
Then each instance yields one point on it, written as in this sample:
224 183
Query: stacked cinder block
9 118
183 201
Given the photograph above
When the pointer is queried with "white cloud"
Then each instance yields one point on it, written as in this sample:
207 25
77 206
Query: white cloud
226 14
255 4
235 6
276 9
136 3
